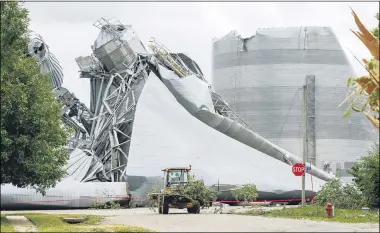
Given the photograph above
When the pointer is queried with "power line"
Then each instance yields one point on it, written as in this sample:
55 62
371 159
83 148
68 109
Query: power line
286 118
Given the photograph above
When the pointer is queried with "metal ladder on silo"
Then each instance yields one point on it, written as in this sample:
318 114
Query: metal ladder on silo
165 56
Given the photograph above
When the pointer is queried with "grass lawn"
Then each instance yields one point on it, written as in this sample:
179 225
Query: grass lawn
55 223
5 226
318 213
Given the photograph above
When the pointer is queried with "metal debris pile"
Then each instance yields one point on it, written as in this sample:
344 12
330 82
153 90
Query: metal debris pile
117 71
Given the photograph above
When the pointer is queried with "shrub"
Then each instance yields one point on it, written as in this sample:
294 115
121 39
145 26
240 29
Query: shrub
112 204
197 192
107 205
247 192
367 176
345 196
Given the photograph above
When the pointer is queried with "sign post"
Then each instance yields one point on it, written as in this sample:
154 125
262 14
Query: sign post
298 169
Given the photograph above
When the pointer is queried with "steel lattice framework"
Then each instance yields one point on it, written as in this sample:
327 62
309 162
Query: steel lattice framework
116 98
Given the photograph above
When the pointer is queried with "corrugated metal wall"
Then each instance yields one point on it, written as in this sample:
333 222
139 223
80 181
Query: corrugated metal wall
262 77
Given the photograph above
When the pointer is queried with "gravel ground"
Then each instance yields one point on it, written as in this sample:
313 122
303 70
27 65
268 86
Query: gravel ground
180 221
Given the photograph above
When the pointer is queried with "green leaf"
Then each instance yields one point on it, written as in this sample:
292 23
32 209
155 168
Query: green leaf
349 81
370 65
346 113
356 109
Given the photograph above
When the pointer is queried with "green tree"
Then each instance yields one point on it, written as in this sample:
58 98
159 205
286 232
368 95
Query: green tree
32 135
375 31
366 176
247 192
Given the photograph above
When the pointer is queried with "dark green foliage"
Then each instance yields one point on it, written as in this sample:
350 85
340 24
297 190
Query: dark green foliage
341 196
197 192
366 176
107 205
247 192
32 135
365 191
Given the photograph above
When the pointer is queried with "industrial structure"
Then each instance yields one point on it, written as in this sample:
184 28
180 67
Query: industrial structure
150 110
262 78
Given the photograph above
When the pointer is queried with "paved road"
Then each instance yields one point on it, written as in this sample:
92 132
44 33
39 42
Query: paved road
180 221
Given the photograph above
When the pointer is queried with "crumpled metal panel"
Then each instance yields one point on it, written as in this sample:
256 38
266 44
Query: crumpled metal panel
47 62
115 55
190 63
134 42
89 64
114 30
192 91
78 164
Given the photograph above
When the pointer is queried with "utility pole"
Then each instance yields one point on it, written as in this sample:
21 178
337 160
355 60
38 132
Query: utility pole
304 157
310 120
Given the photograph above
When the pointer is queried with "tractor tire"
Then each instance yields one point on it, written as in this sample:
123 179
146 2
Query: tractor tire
194 210
190 210
160 209
159 204
165 206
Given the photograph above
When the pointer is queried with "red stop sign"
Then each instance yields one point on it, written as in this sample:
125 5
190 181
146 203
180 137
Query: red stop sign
298 169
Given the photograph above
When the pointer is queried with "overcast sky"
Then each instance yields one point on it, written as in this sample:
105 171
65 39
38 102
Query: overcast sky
67 27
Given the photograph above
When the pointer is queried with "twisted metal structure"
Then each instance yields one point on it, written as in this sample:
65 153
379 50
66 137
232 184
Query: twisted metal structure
117 74
117 80
47 62
119 71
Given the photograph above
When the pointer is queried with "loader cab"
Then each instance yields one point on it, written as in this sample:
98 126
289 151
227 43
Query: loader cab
176 176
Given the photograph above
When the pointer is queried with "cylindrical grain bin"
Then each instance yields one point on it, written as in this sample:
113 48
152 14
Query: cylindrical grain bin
262 76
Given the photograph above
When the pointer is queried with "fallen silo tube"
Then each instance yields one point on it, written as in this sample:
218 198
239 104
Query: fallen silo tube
193 94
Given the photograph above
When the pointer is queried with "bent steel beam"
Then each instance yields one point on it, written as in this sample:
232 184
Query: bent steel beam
195 96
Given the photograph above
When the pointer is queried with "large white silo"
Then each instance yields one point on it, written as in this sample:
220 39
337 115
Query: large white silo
261 77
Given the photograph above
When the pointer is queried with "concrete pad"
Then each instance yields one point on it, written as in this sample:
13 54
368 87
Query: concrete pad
21 224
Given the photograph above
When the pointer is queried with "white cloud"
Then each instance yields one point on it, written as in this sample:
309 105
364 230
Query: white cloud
186 27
